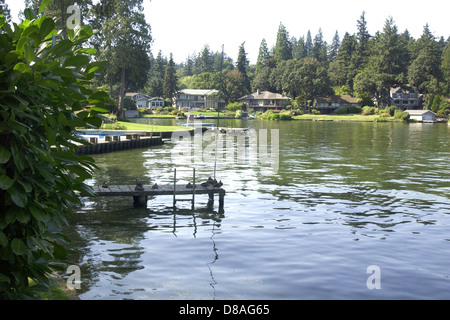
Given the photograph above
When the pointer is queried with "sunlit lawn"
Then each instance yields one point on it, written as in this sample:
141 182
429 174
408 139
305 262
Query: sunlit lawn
149 127
344 117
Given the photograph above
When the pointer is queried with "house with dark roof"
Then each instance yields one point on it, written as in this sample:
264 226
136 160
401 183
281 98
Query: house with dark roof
330 104
405 98
265 100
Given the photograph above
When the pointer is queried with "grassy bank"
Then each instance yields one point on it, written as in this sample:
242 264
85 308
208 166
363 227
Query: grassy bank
345 117
148 127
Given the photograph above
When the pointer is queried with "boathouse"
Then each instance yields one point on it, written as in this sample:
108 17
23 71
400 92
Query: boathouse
422 115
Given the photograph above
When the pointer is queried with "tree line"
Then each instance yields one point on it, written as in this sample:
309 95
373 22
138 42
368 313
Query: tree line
359 64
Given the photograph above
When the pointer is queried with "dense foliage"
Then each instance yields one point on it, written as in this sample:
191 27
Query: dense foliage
44 94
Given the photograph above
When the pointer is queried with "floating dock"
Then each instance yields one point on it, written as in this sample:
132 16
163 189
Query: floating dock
118 143
140 193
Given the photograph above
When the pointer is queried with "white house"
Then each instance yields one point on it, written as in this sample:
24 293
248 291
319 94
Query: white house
422 115
145 101
198 99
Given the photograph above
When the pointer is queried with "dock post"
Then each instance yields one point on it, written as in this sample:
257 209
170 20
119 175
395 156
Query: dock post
221 201
193 191
140 201
174 187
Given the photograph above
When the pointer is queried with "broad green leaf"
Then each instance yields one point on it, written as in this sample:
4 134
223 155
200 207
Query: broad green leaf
62 47
98 97
23 216
5 182
18 247
29 14
46 27
19 197
22 68
39 214
3 239
4 155
44 3
77 61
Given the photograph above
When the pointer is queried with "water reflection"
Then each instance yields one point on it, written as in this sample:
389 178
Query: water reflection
345 196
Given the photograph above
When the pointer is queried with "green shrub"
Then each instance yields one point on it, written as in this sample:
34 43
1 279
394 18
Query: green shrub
45 93
391 110
314 111
366 111
342 110
354 109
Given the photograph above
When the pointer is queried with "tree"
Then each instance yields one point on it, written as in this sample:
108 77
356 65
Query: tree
45 95
308 44
361 55
170 80
5 10
341 70
242 66
283 49
390 60
60 11
126 42
319 49
425 71
263 55
334 47
446 69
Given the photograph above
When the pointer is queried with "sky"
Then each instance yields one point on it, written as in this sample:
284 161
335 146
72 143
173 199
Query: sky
183 27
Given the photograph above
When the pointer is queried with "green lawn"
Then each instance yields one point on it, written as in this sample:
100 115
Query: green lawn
158 116
149 127
344 117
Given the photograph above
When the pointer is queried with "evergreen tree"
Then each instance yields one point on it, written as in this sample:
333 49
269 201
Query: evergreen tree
390 60
283 49
334 47
170 80
263 55
308 44
298 48
242 67
361 54
319 49
125 45
341 70
424 73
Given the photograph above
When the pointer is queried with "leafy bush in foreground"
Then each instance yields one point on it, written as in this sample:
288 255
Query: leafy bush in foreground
44 90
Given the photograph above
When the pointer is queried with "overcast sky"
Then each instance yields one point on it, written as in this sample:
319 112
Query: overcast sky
182 27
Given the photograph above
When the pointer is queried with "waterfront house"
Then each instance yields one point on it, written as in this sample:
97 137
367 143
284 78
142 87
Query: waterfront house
330 104
145 101
198 99
264 100
405 98
422 115
155 102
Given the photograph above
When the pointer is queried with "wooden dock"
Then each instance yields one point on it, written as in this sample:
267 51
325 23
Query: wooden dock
140 193
114 143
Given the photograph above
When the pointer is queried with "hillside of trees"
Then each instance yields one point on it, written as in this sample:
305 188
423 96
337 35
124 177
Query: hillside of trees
360 64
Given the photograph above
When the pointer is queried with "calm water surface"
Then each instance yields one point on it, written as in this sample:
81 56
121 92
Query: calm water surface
345 196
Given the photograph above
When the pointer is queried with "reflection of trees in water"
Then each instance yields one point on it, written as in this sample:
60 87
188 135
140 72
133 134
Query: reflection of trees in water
106 238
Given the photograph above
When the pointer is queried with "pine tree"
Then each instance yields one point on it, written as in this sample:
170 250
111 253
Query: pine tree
308 44
242 67
390 60
170 80
283 49
425 71
361 54
263 55
334 47
319 49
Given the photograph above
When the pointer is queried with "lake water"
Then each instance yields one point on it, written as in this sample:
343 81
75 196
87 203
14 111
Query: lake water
350 211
